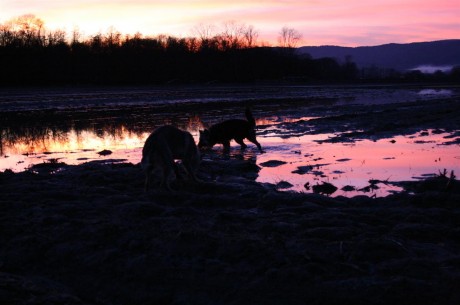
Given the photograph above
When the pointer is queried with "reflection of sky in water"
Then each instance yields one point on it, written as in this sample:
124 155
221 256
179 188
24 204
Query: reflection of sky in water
405 158
337 163
341 164
435 92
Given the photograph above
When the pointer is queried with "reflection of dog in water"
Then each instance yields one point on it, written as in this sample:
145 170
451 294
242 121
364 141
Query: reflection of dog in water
162 147
225 131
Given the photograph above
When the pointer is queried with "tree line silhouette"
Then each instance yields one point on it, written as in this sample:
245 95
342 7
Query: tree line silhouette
30 55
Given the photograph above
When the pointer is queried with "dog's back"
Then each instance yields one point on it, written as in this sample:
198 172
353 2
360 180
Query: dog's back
162 147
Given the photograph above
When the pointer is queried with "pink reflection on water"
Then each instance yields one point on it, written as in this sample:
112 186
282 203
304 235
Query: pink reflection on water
354 164
72 148
342 164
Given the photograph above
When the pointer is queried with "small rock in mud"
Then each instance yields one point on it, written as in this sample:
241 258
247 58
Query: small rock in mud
437 131
318 173
104 152
302 170
369 188
424 134
46 167
272 163
348 188
324 188
283 185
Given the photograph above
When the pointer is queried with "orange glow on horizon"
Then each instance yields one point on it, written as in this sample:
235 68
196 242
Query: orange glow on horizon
321 22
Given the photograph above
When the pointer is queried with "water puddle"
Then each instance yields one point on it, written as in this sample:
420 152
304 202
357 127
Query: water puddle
363 167
292 163
73 148
436 92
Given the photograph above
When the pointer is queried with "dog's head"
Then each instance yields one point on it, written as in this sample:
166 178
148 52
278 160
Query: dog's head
204 141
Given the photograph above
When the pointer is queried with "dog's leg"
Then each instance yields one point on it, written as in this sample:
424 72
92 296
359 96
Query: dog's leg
226 146
169 166
148 173
191 161
240 141
147 182
178 170
190 171
170 174
191 165
252 138
167 176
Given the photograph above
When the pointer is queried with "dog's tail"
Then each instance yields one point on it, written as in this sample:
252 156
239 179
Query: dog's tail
249 117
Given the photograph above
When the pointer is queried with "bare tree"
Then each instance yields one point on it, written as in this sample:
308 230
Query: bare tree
6 35
250 36
204 31
57 37
162 40
113 37
76 35
232 35
28 29
96 41
289 37
193 44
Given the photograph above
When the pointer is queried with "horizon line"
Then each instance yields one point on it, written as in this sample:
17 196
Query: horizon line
259 42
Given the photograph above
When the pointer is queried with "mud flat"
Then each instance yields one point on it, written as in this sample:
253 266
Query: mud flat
88 234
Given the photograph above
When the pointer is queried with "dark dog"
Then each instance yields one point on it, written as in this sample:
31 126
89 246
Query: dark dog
235 129
162 147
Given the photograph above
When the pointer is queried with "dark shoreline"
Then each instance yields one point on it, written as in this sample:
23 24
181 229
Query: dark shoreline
88 234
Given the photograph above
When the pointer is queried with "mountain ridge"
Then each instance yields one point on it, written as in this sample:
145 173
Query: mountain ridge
439 54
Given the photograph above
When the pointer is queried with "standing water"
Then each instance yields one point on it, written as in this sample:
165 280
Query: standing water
295 159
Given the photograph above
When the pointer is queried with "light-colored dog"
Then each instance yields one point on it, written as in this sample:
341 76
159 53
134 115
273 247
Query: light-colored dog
162 147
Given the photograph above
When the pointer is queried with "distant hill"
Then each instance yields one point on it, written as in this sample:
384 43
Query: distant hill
427 56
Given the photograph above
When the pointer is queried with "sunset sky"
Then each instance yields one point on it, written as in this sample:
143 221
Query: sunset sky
321 22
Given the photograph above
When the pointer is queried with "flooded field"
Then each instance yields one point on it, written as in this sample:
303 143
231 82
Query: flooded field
360 140
92 234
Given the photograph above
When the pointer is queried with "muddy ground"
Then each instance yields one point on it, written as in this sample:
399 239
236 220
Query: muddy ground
89 234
